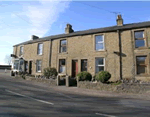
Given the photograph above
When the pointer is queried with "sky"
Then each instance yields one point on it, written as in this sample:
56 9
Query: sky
21 19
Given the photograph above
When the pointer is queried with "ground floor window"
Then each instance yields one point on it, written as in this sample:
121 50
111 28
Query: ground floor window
100 64
38 65
84 65
141 63
62 65
16 64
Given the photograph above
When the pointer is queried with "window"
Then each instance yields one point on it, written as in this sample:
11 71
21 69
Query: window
21 50
100 63
139 39
141 62
63 46
21 65
84 65
38 65
99 42
62 65
40 48
16 64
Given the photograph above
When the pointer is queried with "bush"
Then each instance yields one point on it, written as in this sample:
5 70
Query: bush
50 72
103 76
84 76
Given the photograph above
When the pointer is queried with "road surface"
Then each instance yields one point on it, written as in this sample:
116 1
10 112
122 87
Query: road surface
22 99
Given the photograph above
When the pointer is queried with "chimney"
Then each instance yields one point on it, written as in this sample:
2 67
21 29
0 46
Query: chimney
33 37
68 29
119 20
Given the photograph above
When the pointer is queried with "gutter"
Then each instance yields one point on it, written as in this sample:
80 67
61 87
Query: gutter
120 53
50 53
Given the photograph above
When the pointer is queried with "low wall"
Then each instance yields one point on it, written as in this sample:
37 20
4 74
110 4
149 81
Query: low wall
97 86
51 82
122 88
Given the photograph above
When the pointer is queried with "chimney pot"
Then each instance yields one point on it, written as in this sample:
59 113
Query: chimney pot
119 20
68 29
33 37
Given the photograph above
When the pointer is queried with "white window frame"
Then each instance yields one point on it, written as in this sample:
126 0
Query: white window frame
99 65
62 66
38 65
100 43
38 49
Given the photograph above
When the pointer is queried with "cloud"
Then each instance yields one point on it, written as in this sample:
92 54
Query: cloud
44 14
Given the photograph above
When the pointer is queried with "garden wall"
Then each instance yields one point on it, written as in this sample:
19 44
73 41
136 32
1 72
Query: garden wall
122 88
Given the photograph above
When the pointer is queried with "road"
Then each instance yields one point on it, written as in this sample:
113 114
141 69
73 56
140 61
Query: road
22 99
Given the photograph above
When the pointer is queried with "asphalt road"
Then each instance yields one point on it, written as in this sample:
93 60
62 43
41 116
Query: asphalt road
22 99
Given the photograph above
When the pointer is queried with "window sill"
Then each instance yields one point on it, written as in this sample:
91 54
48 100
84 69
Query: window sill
140 48
40 54
38 72
63 53
100 50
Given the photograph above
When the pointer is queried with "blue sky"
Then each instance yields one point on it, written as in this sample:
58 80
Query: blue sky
19 20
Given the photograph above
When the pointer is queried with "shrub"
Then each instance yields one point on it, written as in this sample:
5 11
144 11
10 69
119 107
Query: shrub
49 72
84 76
103 76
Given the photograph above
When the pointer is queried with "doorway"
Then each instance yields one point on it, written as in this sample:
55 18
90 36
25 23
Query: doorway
74 68
30 67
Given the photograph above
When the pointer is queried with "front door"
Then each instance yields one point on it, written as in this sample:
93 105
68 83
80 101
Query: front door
30 67
74 68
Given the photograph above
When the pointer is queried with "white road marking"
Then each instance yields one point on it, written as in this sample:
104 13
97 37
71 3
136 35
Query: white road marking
30 97
105 115
65 95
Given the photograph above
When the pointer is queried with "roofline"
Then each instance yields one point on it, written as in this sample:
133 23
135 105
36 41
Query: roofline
90 31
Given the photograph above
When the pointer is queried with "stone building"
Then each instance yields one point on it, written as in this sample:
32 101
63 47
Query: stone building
123 50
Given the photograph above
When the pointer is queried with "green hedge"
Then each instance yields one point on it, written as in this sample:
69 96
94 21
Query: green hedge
103 76
49 72
84 76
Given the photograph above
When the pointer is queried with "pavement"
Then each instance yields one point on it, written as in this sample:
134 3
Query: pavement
21 98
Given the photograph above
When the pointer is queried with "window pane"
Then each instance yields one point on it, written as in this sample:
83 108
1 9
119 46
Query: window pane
99 39
99 61
99 46
40 48
63 42
62 69
141 69
39 65
62 62
139 43
139 34
141 60
99 68
63 49
84 65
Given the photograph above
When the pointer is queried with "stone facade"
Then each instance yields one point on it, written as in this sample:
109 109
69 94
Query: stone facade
83 47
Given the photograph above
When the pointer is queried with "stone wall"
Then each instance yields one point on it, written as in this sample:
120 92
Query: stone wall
51 82
97 86
122 88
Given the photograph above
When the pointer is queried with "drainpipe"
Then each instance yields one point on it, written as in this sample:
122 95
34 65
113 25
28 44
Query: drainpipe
120 53
50 53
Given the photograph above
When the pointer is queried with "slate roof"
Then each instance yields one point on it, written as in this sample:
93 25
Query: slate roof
91 31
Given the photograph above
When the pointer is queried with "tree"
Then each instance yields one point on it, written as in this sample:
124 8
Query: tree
8 59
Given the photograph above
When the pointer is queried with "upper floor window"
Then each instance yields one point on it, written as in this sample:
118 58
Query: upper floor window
63 46
38 65
40 49
139 39
21 50
100 64
99 42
